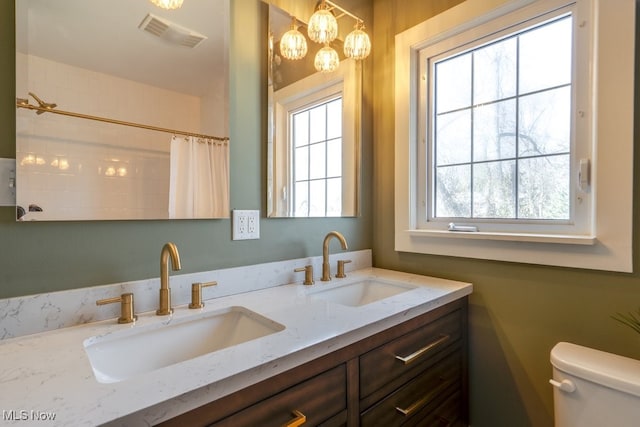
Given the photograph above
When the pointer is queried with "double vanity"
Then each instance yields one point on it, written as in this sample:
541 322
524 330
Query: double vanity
373 346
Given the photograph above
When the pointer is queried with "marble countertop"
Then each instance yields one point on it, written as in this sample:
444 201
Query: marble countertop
49 375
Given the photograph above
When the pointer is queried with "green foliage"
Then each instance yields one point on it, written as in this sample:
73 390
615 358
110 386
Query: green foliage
631 320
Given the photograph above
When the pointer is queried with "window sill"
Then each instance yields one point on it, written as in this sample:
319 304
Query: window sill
512 237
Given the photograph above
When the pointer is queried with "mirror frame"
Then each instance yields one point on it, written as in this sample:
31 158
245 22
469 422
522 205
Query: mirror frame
278 152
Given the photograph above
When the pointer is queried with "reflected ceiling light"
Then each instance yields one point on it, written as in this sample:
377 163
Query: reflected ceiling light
60 163
168 4
357 44
323 26
293 45
326 60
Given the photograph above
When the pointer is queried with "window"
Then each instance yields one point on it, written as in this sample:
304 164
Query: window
317 157
505 133
314 145
501 115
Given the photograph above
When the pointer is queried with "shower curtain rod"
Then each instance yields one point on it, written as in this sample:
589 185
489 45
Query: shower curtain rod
44 107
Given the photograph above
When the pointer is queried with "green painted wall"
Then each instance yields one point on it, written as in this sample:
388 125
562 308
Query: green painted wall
517 312
40 257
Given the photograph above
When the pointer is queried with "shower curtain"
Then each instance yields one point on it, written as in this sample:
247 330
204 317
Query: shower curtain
199 178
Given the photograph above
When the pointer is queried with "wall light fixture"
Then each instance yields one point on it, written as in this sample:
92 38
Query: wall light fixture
323 29
293 45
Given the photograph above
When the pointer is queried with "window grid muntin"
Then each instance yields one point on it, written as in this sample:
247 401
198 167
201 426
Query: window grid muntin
324 103
432 170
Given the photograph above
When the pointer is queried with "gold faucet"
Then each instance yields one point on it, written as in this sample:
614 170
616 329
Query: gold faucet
127 314
308 274
326 269
169 250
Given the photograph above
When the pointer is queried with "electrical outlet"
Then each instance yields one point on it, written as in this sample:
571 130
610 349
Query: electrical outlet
246 224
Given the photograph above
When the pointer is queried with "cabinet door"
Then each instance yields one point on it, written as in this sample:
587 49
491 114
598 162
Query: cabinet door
319 400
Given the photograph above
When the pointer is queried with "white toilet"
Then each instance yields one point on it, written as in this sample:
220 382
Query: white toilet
593 388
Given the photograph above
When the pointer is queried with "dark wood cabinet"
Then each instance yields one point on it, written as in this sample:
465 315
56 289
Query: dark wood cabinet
413 374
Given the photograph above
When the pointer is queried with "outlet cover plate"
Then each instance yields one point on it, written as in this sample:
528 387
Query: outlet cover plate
7 182
246 224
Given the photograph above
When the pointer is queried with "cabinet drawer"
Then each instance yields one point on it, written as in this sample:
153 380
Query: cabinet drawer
420 398
413 351
448 414
319 399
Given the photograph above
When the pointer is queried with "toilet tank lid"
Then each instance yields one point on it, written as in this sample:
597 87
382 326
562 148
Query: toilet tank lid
611 370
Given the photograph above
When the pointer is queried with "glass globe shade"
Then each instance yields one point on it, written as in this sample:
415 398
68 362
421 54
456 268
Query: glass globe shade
293 45
357 44
323 26
168 4
326 60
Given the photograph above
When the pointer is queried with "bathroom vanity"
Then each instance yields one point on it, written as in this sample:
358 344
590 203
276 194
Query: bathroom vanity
375 345
413 373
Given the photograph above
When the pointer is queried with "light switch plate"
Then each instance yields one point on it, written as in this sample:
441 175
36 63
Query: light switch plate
7 182
246 224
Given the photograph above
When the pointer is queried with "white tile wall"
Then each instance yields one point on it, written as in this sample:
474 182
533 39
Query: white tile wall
61 173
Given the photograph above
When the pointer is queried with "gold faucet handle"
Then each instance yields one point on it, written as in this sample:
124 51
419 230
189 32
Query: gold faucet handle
126 307
308 274
340 274
196 293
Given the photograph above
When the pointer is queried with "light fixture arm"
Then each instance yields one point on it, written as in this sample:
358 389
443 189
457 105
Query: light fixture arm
344 11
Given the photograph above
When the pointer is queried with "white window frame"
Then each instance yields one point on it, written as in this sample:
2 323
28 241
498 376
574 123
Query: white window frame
308 91
607 245
333 93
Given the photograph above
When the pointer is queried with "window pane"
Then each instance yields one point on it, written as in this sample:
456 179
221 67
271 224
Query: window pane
453 138
301 207
494 71
453 194
317 198
302 163
543 188
318 123
545 56
334 119
301 128
494 190
494 131
317 161
334 197
317 157
453 83
545 122
334 157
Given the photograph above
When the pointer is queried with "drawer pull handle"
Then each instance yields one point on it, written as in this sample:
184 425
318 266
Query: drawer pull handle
416 406
298 420
443 421
419 353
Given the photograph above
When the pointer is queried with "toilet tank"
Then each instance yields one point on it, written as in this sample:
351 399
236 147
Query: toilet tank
593 388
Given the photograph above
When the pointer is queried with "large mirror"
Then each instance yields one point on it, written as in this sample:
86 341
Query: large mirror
122 110
314 123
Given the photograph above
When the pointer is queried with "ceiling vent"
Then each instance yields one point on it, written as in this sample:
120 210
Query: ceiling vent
171 32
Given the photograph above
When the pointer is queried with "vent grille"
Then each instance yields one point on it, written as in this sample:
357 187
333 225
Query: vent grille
171 32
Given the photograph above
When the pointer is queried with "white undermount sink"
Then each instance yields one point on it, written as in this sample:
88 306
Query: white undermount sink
121 355
361 293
